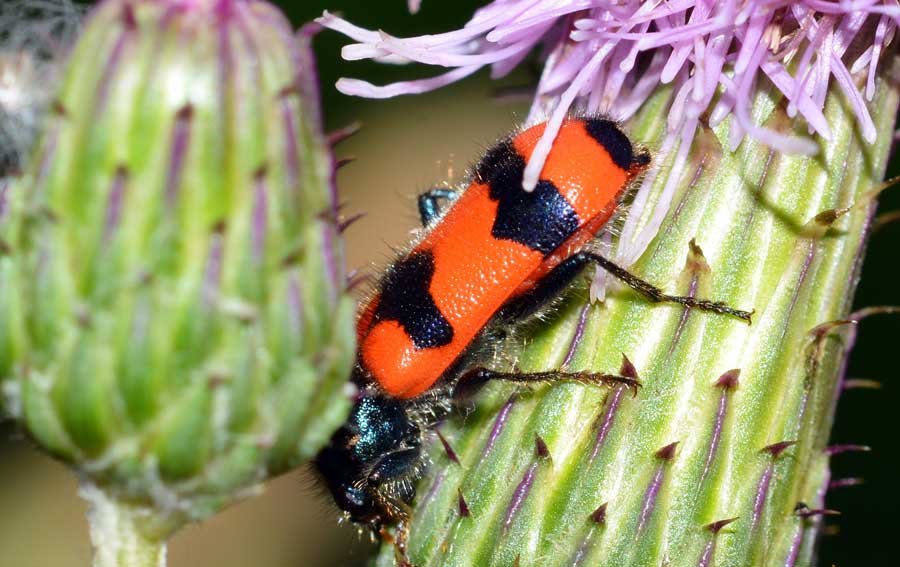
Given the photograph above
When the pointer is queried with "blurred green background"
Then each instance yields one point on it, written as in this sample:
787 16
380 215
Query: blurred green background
406 145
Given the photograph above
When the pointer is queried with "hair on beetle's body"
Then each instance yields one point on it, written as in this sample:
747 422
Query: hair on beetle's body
494 256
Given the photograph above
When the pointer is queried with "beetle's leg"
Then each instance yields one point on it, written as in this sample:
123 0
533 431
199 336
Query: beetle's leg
398 512
473 379
551 285
429 203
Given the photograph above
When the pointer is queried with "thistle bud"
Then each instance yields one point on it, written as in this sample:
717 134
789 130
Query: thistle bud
770 126
174 323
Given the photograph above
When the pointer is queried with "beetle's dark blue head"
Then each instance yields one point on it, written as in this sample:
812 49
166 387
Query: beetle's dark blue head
371 461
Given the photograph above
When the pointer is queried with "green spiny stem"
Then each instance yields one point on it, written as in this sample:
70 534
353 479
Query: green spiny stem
721 457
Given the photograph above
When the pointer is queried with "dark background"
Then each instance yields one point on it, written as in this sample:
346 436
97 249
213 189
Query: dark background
407 144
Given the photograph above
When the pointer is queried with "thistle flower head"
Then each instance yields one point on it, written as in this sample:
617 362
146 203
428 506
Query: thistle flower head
610 57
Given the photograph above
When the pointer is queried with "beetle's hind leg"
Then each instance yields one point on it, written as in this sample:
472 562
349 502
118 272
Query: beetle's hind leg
551 285
473 379
398 513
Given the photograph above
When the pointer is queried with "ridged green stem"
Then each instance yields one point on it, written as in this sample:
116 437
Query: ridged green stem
720 458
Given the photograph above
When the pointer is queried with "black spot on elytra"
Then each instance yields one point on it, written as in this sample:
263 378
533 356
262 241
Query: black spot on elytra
405 298
608 135
541 219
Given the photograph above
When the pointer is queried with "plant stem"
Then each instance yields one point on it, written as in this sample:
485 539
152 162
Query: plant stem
120 534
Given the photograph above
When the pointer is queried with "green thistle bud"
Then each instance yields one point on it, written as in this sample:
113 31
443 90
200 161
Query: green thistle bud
770 126
721 457
173 317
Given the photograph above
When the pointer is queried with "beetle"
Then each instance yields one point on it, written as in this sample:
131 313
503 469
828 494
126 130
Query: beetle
495 256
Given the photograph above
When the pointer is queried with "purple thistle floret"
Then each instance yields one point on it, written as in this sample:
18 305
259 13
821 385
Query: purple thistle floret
608 57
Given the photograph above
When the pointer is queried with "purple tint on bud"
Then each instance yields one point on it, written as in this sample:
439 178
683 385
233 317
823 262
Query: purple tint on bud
291 150
576 338
223 13
606 420
181 137
115 57
796 544
260 211
213 275
762 492
295 305
497 428
435 486
520 494
727 382
707 555
664 454
114 203
765 480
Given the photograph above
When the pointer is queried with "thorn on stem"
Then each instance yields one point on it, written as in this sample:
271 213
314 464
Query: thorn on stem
448 450
845 482
861 384
716 527
343 162
129 20
776 449
668 452
341 134
696 260
627 369
344 224
462 505
804 511
598 516
540 448
729 380
847 448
